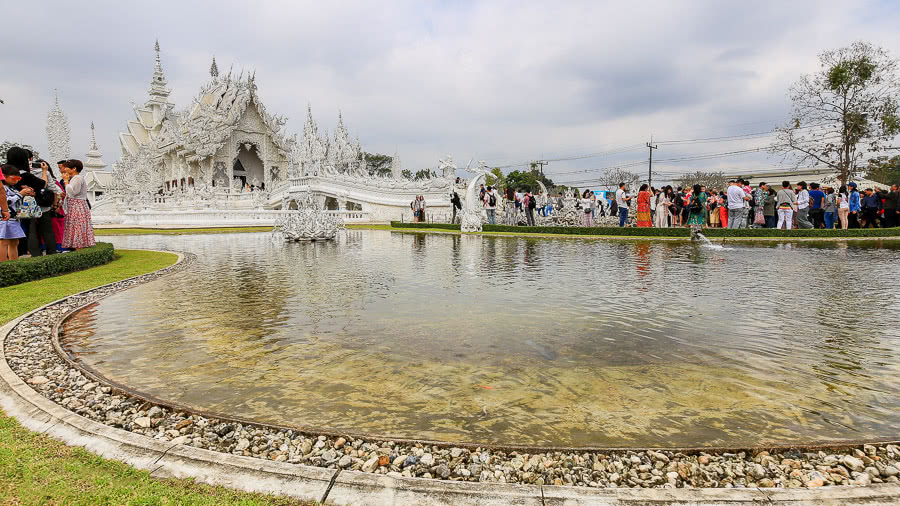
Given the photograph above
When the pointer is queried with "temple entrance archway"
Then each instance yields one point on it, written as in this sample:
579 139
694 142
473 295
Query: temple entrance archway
248 166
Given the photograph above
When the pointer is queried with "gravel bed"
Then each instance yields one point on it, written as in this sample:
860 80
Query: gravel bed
31 354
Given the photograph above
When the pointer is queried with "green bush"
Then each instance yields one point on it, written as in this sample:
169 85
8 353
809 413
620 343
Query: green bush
809 232
14 272
670 232
614 231
444 226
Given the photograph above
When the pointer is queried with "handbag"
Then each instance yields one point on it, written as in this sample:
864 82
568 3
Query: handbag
29 209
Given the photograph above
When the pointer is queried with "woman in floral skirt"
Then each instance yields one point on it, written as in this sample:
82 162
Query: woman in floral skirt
79 233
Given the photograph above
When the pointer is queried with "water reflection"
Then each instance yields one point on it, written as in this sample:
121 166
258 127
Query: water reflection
569 342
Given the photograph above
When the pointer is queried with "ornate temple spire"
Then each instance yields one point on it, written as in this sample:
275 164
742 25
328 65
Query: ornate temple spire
58 133
93 155
159 93
213 69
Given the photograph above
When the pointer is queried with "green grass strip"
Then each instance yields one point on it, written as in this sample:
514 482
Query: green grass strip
178 231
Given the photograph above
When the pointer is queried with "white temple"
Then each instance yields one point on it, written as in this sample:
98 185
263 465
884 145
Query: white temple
225 160
58 133
95 177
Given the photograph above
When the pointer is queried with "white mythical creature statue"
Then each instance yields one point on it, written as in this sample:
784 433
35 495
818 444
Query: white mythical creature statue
308 223
472 211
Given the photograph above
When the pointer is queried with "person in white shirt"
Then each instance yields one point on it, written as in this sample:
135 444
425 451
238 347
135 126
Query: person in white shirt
622 200
803 206
736 199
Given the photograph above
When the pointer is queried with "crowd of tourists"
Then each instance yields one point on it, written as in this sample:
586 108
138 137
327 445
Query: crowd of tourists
740 205
40 213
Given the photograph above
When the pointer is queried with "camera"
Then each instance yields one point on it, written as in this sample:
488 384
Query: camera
35 165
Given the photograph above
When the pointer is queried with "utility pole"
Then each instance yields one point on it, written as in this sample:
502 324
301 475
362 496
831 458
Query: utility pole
650 167
540 163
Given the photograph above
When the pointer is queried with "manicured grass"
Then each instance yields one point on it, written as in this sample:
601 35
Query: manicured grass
178 231
35 469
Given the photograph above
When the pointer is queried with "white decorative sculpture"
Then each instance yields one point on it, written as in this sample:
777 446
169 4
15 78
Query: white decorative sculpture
472 212
309 223
58 134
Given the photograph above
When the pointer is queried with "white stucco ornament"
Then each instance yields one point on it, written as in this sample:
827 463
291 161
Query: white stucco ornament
308 223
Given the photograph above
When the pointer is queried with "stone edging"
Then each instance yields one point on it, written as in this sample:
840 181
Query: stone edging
168 457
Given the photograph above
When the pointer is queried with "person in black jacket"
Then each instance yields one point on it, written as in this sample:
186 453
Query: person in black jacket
29 186
891 205
455 205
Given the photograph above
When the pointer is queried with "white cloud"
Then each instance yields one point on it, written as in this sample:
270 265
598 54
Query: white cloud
503 81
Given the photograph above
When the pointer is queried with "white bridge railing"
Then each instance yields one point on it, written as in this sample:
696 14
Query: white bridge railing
218 218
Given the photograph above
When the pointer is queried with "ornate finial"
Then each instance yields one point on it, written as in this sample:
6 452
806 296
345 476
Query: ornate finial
158 92
93 161
213 69
56 97
58 133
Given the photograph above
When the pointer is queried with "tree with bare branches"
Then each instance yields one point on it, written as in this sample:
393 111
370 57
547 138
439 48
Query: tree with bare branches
845 112
712 180
612 177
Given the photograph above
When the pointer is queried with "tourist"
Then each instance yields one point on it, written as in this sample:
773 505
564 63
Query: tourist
736 200
593 205
817 205
803 206
490 205
622 200
871 204
548 205
455 205
759 205
769 209
79 233
697 207
843 207
830 208
653 194
421 208
643 207
678 204
529 202
40 230
785 201
585 203
663 202
891 207
28 185
10 228
855 208
58 212
685 208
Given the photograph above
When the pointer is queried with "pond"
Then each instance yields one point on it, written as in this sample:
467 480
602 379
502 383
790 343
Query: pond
562 342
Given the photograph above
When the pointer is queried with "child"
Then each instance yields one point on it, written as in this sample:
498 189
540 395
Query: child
10 229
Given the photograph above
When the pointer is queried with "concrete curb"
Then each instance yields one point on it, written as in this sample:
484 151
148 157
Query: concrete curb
39 414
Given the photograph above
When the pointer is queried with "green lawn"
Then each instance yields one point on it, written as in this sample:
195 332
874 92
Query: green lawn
35 469
178 231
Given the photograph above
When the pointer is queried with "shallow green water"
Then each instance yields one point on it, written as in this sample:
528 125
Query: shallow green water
517 341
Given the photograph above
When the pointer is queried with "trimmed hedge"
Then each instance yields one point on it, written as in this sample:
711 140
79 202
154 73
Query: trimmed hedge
445 226
671 232
23 270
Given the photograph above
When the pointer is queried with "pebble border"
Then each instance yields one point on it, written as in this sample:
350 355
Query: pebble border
33 353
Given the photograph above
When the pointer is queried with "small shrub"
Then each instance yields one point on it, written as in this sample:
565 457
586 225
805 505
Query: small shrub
23 270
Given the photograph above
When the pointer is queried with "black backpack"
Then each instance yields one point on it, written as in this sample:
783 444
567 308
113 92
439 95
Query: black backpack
695 205
492 200
44 197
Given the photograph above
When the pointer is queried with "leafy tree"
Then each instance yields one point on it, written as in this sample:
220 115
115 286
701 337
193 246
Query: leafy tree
424 174
845 110
528 180
8 144
495 178
406 174
712 180
378 164
884 170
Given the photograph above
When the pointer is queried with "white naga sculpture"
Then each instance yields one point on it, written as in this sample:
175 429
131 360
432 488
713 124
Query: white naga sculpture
472 212
308 223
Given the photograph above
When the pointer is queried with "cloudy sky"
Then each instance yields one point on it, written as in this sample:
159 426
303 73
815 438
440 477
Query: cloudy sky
502 81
